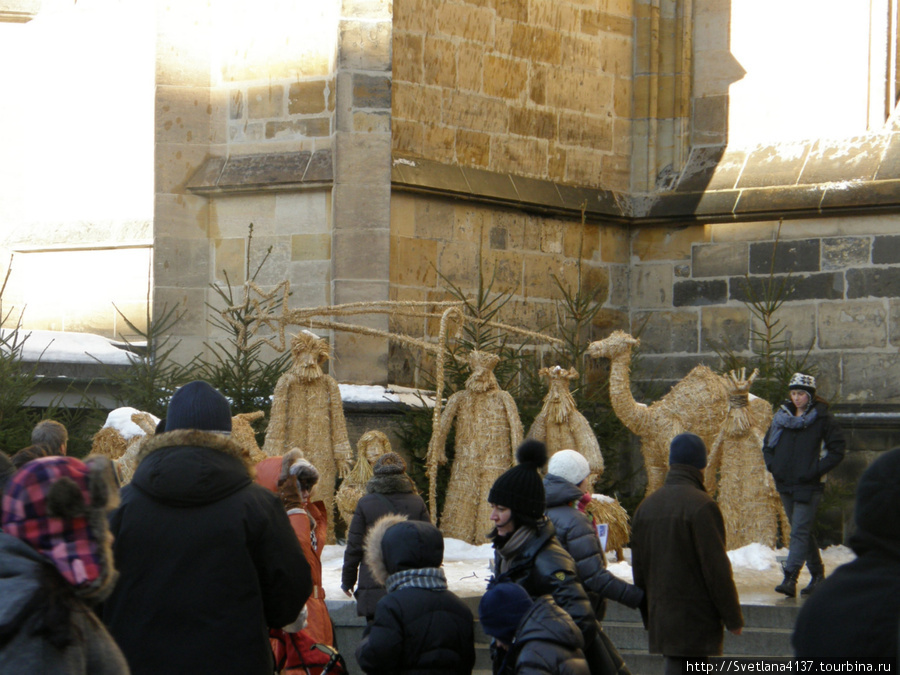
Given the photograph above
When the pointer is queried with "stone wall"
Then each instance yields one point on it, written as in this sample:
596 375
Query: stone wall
691 285
541 89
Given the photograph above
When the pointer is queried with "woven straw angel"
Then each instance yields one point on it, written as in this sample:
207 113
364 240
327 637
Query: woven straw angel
307 413
372 445
488 430
560 426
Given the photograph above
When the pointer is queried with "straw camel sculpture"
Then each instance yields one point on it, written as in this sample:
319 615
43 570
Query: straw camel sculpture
372 445
307 413
737 474
559 424
488 430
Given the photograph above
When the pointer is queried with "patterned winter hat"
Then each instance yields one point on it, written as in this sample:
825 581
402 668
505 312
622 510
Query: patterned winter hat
58 506
521 488
805 382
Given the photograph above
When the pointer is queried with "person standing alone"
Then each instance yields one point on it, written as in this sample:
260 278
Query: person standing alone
679 559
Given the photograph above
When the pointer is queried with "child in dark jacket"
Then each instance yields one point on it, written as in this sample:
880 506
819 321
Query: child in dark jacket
539 638
419 625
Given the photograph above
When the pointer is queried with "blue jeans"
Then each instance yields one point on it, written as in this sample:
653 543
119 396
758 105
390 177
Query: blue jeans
803 546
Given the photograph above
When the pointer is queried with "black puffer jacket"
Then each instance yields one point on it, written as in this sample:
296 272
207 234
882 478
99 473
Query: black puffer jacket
544 567
796 461
208 561
547 642
387 494
577 535
416 630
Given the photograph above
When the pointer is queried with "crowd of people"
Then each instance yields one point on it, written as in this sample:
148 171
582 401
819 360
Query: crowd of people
206 562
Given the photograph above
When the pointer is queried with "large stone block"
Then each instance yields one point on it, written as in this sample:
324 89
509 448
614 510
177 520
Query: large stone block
843 252
362 159
182 216
853 325
516 154
311 247
531 122
230 216
695 293
439 62
230 262
506 268
307 97
408 51
406 137
182 114
666 243
305 212
595 91
413 261
719 260
876 282
181 262
544 273
651 286
265 102
584 166
434 218
438 143
785 256
870 378
313 127
473 148
176 163
894 307
365 45
794 327
413 15
470 222
459 263
666 332
579 51
532 43
276 251
504 77
581 241
761 231
470 111
886 250
361 207
724 329
590 131
825 286
361 254
605 22
614 244
465 21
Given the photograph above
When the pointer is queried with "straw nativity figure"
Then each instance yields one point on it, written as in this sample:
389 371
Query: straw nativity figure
736 474
371 445
488 430
696 404
307 413
559 424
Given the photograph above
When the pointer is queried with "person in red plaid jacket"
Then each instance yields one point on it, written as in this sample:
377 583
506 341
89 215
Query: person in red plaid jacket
55 563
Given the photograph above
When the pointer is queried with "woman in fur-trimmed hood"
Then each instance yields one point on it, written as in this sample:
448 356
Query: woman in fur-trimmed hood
207 558
419 626
389 491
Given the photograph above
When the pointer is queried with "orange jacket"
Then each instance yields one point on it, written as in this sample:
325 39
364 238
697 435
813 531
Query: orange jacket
304 521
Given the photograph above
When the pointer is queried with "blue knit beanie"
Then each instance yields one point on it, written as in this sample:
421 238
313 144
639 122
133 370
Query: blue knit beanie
501 610
197 405
688 449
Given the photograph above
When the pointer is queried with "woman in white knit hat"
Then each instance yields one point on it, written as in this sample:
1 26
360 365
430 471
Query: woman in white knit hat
568 489
802 445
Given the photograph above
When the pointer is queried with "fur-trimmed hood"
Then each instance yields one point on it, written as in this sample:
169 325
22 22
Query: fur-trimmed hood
391 484
395 543
188 467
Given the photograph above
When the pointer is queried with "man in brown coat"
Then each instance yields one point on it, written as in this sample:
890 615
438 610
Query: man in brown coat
679 559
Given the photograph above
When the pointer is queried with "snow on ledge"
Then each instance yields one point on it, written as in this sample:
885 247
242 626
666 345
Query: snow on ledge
51 346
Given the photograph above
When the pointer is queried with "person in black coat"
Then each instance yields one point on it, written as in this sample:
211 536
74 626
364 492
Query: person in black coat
527 552
793 454
390 490
419 626
208 560
855 613
567 486
538 636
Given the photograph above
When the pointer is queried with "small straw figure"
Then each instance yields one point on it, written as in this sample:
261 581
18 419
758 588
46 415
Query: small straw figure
608 510
307 413
488 430
737 474
372 445
559 424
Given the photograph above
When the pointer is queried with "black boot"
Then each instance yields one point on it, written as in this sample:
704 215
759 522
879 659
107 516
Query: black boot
817 576
789 585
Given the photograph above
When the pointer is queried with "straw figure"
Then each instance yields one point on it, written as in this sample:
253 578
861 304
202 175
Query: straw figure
697 404
559 424
307 413
121 438
372 445
736 474
608 510
488 430
243 432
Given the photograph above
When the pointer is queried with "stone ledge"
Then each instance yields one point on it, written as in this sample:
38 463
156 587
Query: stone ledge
249 173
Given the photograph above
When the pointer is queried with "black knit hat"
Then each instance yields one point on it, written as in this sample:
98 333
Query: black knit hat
197 405
501 610
688 449
521 488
